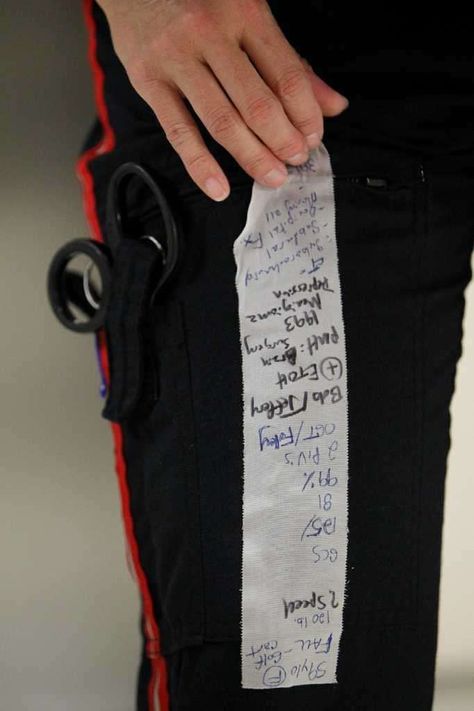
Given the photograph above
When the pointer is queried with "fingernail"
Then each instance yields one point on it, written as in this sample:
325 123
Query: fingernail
215 189
298 158
313 140
345 100
276 177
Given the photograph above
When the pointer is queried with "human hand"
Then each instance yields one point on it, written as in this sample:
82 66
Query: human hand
230 60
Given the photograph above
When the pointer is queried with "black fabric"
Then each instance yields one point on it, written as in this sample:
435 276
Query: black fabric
380 49
133 384
404 256
144 670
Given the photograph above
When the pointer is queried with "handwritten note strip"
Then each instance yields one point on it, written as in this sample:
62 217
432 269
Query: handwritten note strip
295 431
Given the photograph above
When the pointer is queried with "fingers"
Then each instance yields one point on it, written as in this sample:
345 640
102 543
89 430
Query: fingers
183 134
227 127
281 68
233 65
303 95
256 103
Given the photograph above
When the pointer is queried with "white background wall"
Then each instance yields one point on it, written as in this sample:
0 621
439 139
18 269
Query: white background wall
69 609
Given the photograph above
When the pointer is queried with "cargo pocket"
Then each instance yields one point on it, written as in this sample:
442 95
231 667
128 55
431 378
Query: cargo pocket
191 443
167 452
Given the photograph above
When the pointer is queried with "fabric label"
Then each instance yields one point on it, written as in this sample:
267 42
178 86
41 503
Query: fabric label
295 431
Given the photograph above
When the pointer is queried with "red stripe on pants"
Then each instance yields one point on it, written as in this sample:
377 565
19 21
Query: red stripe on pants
157 688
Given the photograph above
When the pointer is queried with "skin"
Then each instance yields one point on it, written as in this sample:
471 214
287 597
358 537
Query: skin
230 60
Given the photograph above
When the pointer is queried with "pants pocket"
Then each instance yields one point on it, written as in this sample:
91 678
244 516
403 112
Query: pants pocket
379 222
166 449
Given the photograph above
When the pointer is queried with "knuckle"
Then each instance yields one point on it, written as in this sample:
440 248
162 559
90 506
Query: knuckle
310 124
198 163
221 122
291 148
166 48
178 133
143 75
255 9
256 165
261 109
149 65
195 18
138 71
291 82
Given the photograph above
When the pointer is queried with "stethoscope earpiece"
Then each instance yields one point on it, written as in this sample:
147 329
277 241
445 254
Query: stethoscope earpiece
67 288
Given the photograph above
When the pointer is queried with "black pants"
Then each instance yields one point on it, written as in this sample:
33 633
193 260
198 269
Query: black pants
404 243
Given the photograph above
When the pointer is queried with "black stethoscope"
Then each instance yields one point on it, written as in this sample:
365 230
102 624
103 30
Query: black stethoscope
68 288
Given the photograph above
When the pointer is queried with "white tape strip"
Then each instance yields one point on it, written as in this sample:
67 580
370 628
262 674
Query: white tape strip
295 431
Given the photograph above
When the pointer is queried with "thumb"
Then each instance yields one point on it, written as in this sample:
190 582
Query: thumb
331 101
